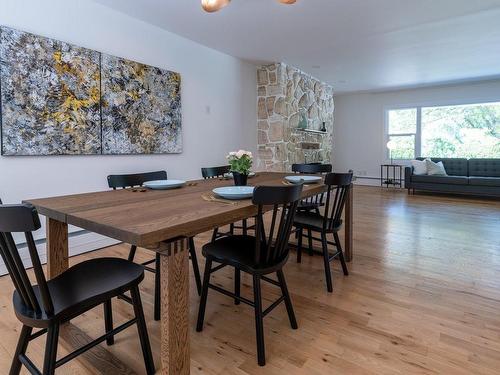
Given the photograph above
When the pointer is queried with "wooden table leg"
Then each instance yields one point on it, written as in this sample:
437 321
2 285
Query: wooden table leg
348 225
57 247
174 270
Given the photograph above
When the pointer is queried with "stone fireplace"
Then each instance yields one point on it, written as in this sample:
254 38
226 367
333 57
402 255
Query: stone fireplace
292 107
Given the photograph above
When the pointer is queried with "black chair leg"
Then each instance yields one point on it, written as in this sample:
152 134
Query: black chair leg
215 234
108 321
299 245
245 227
157 303
310 242
326 259
288 301
131 254
204 295
231 228
194 260
237 285
49 361
259 321
22 345
341 254
143 331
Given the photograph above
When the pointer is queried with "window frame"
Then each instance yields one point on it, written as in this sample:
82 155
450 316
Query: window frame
418 133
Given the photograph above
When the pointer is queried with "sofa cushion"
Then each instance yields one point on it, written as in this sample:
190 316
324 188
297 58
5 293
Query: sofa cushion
484 181
484 167
452 180
453 166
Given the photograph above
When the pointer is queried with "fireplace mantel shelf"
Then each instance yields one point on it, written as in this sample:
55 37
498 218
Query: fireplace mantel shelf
310 131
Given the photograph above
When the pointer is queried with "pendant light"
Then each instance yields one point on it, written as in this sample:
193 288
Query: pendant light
215 5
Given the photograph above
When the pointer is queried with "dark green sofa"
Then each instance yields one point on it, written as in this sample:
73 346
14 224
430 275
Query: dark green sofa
465 176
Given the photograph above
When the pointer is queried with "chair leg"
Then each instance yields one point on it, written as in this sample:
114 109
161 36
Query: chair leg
194 260
310 242
237 285
131 253
231 228
157 303
245 227
299 245
259 321
204 295
288 301
142 330
22 345
214 234
341 254
49 361
108 321
326 260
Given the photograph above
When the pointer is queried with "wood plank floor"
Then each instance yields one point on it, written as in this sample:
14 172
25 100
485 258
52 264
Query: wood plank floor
423 297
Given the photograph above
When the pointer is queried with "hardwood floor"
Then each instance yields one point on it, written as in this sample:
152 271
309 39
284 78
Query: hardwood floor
422 297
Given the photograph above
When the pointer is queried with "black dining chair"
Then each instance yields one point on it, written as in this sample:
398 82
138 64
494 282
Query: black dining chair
314 202
338 185
220 172
258 255
122 181
48 304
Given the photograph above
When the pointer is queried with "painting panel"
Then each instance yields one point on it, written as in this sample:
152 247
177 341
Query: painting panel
50 96
141 108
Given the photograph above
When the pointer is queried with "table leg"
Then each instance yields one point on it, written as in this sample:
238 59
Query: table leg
174 269
348 225
57 247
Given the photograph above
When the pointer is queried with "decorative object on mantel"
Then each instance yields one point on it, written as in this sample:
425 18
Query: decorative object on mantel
240 162
215 5
323 127
60 99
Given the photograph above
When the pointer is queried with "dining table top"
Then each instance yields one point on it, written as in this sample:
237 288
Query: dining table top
146 217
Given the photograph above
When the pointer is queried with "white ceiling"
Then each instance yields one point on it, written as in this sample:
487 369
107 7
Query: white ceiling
355 45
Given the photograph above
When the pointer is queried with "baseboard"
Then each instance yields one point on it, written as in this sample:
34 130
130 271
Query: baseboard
367 181
79 242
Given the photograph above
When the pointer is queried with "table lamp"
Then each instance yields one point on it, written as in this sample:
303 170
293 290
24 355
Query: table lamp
391 145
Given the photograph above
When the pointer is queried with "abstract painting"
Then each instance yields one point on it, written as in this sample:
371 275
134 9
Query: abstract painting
141 108
50 96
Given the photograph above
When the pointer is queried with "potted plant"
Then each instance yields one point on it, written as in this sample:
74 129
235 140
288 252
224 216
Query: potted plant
240 162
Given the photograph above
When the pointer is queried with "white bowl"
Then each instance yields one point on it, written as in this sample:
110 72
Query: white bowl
234 192
229 175
164 184
302 179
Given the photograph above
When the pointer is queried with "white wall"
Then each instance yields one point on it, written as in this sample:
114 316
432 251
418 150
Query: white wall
218 98
359 140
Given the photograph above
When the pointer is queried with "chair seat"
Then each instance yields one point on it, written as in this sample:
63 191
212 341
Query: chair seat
312 220
239 252
82 287
308 206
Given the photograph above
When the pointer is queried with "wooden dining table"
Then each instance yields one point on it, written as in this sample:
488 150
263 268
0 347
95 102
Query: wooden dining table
162 221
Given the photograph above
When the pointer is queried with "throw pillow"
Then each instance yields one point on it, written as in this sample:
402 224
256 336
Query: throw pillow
435 169
419 167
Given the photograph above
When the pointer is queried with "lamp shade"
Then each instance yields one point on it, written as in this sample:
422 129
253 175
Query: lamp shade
214 5
391 145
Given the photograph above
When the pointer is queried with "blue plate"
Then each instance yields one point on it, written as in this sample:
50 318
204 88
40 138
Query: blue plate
234 192
164 184
298 179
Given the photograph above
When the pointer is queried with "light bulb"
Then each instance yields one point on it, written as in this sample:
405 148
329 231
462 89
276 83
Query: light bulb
213 5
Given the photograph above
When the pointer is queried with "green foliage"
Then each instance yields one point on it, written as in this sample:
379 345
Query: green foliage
240 161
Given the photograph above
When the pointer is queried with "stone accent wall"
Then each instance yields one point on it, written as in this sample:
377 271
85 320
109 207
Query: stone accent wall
287 97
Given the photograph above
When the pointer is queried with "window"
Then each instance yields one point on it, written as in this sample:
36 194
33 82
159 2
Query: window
466 131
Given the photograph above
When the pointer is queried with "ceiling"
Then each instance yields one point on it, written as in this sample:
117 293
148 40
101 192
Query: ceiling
355 45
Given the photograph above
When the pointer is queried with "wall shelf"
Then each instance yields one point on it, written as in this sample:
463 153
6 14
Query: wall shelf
310 131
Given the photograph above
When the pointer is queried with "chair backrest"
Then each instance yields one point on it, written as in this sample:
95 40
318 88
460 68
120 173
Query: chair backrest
116 181
284 201
311 168
19 218
215 172
338 185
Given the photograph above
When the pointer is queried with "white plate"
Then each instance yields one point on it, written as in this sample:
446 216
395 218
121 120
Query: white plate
234 192
230 175
164 184
297 179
